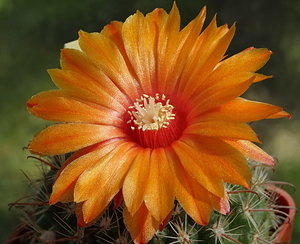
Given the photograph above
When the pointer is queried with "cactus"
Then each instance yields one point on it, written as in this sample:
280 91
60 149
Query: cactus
253 217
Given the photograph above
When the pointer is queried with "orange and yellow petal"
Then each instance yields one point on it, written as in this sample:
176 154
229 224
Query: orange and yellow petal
237 110
221 159
103 179
135 180
249 60
196 168
74 166
105 176
107 57
80 63
148 181
219 93
211 47
169 45
59 106
64 138
193 197
251 151
93 175
142 225
222 129
159 193
139 45
280 114
83 87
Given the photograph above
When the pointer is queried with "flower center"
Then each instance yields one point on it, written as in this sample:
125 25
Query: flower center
153 121
149 114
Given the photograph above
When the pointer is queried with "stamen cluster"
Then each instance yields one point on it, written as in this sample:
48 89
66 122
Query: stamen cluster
151 113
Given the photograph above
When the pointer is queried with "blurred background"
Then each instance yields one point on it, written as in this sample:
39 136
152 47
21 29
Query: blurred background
34 31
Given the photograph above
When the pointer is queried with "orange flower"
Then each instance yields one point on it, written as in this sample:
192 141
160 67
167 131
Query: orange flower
153 112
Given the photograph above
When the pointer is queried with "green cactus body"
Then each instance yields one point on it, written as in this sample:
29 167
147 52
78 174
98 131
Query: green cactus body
252 218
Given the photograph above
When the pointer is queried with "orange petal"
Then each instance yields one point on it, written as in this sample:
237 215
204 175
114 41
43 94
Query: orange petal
222 129
280 115
159 193
199 211
240 110
219 93
139 49
141 226
252 151
84 87
136 181
58 106
178 50
192 30
73 168
111 169
211 49
113 31
249 60
64 138
81 63
221 159
190 185
169 45
108 58
193 197
93 207
198 168
64 195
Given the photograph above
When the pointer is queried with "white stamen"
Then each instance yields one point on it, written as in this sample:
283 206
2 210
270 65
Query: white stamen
148 114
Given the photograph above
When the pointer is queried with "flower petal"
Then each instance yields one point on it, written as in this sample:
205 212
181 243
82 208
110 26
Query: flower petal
169 45
72 45
185 184
159 193
136 181
222 129
139 46
211 47
64 138
196 201
252 151
63 188
141 225
81 63
175 49
220 159
113 31
238 109
280 115
249 60
219 93
108 58
103 179
86 88
194 164
58 106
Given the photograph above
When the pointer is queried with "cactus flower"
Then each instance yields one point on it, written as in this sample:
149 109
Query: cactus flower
153 113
